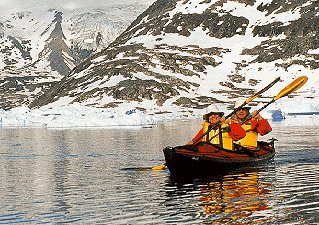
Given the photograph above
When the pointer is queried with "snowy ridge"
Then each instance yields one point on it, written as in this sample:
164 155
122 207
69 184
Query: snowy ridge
39 46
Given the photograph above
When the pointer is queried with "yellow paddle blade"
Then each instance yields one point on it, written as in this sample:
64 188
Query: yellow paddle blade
293 86
160 167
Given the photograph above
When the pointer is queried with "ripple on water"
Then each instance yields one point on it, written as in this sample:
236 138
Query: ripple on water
75 177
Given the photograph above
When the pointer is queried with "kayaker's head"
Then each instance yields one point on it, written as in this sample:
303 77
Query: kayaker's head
213 114
242 112
213 117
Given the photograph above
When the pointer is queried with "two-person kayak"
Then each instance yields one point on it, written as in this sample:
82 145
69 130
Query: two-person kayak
206 158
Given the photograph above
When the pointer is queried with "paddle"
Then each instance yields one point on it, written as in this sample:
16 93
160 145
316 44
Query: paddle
162 166
241 106
293 86
159 167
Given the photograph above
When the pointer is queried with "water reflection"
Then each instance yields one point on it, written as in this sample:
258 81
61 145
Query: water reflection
77 177
226 199
235 195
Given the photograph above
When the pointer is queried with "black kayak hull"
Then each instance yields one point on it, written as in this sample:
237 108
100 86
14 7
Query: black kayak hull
206 158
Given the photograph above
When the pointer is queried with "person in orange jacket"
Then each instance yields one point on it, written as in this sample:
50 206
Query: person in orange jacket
254 126
224 132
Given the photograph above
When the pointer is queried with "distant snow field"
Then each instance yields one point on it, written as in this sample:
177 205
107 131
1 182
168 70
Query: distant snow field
73 116
77 116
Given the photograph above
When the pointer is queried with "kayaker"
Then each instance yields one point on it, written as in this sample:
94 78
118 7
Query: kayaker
253 127
231 130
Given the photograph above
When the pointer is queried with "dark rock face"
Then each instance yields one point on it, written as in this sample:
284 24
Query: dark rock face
17 91
57 49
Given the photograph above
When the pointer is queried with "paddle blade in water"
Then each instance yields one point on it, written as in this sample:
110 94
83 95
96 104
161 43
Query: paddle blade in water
160 167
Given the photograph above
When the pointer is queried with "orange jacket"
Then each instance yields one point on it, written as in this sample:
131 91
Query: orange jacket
262 126
253 127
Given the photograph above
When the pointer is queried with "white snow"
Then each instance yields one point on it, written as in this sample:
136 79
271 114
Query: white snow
77 116
194 6
255 16
314 51
73 116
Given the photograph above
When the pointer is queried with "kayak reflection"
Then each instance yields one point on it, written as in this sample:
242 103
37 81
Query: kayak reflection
237 195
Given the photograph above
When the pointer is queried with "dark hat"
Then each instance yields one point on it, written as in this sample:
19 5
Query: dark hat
206 116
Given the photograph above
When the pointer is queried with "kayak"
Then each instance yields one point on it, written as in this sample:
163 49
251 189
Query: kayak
206 158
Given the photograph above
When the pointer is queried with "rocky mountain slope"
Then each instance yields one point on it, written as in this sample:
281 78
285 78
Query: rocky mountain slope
39 47
184 55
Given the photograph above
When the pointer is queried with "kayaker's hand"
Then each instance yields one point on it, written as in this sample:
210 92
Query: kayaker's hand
256 115
226 129
234 119
229 121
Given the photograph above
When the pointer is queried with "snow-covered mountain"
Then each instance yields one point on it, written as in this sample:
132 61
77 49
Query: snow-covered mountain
38 46
184 55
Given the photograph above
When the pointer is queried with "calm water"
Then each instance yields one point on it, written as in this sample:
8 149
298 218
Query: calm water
87 176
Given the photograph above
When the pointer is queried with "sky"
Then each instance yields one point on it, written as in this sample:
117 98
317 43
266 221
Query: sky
8 5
